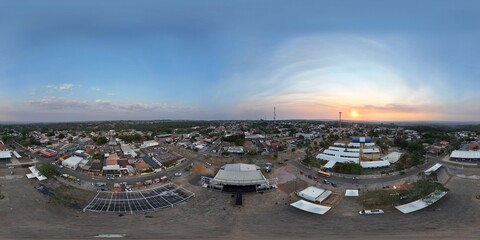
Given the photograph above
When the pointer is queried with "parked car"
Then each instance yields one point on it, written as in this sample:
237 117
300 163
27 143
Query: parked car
326 181
334 184
178 174
370 212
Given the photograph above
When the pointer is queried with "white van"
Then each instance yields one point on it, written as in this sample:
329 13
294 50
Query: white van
369 212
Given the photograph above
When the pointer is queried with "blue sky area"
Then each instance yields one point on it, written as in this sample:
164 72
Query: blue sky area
112 60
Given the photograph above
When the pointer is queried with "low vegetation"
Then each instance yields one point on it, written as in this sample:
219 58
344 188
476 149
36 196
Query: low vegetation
389 197
348 168
69 196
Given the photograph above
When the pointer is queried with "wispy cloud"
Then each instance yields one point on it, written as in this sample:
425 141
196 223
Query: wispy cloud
315 77
101 105
64 86
54 103
140 107
96 89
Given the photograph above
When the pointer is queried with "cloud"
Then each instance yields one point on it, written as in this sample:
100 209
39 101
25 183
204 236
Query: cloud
96 89
54 103
64 86
140 107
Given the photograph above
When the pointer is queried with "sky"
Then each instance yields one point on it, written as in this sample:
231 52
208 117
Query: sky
213 60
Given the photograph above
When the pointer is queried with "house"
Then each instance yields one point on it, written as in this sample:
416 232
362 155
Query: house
111 166
96 167
127 150
147 144
142 166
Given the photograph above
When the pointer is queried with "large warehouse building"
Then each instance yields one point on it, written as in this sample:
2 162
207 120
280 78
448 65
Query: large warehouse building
465 156
240 177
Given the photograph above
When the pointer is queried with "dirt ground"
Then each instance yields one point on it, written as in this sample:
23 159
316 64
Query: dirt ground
212 214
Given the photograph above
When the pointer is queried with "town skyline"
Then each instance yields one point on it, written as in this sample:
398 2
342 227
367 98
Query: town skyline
372 61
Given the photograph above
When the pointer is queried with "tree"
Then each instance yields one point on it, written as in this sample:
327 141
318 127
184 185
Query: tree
349 168
252 152
47 170
61 136
100 140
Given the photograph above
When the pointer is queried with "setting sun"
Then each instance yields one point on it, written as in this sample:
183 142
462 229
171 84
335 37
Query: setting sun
354 114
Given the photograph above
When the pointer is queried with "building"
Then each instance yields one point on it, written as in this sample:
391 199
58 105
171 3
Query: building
111 166
35 174
240 177
5 155
72 162
147 144
127 150
235 149
465 156
47 152
314 194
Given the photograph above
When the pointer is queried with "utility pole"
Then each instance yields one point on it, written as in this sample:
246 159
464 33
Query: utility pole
340 119
274 114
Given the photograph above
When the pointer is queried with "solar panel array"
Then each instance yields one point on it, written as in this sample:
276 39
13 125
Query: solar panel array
139 201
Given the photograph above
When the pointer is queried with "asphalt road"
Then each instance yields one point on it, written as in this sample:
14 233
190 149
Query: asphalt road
368 179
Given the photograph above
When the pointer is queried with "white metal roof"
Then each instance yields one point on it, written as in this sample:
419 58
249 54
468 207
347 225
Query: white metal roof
465 154
239 174
357 145
5 154
341 153
16 154
330 164
72 162
111 167
365 150
310 207
433 168
375 164
35 174
324 196
336 159
311 193
240 167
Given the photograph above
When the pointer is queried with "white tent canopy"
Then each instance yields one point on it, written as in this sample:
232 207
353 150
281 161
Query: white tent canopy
35 174
351 193
422 203
310 207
